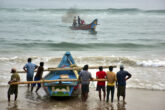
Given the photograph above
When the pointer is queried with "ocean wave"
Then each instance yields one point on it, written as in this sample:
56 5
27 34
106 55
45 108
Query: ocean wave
129 61
135 10
15 59
91 60
153 63
87 46
111 10
147 73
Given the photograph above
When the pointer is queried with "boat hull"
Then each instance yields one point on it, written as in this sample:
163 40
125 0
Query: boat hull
91 26
82 27
63 88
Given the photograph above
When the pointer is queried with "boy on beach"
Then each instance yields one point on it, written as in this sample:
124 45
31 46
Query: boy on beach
122 77
101 84
29 68
111 78
38 76
85 77
13 89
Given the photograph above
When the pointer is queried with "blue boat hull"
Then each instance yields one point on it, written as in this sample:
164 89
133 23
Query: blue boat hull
62 88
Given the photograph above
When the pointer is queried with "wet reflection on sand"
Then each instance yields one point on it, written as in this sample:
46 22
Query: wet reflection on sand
110 106
41 101
33 101
12 106
121 106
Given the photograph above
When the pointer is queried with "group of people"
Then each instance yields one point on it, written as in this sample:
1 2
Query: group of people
29 68
85 77
78 21
120 78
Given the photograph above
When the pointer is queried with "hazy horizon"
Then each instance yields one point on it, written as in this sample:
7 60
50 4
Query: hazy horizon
85 4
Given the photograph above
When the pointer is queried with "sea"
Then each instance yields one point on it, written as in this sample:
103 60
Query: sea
132 37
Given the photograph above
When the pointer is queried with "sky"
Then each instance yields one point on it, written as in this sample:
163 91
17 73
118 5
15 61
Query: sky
85 4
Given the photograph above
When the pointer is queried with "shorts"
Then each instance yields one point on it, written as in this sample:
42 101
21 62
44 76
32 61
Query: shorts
29 78
121 90
99 87
13 89
34 84
84 88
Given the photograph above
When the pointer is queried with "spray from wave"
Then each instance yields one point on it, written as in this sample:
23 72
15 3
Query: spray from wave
69 15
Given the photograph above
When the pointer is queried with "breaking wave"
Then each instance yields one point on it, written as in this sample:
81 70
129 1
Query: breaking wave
89 46
111 10
99 60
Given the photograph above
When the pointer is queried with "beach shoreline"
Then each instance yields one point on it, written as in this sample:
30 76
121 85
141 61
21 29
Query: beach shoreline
136 99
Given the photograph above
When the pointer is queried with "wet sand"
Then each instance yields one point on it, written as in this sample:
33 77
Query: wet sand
136 99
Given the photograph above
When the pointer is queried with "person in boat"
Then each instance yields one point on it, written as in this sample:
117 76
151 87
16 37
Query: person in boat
122 77
101 84
79 21
111 79
38 76
82 22
74 21
29 68
85 78
13 89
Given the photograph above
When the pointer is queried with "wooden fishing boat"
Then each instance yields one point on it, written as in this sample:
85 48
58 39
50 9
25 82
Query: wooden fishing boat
63 88
91 26
63 80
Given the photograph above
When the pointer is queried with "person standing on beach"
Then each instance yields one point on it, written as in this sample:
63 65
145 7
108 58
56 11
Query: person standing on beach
101 84
38 76
111 78
13 89
29 68
122 77
85 77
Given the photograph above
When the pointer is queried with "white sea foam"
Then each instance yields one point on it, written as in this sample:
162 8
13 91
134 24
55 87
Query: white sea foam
152 63
92 60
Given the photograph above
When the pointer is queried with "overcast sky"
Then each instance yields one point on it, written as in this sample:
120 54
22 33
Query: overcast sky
87 4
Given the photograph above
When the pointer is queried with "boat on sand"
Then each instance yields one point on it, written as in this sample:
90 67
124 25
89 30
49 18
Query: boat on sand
63 88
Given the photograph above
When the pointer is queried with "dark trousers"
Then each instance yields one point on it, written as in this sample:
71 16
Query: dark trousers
112 90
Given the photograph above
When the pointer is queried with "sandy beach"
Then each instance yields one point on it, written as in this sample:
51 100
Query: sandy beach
136 99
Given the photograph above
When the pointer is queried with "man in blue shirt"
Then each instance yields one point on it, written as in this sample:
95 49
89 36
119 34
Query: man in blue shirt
29 68
122 77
